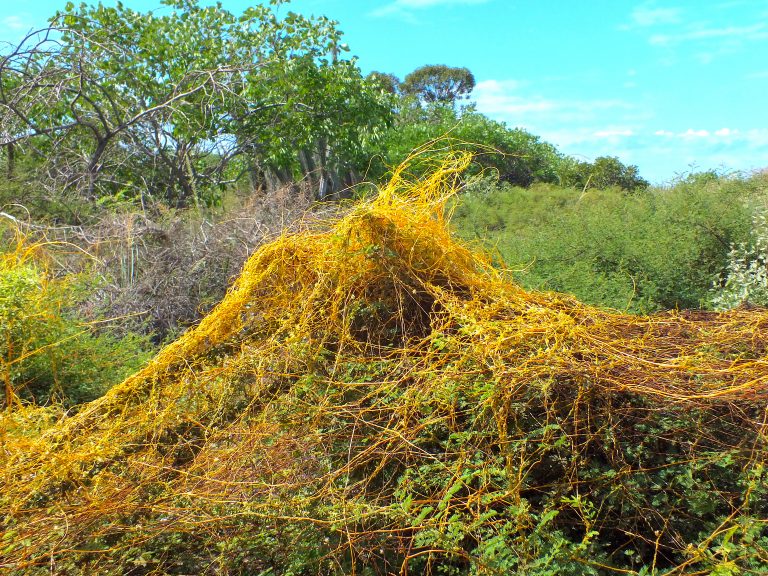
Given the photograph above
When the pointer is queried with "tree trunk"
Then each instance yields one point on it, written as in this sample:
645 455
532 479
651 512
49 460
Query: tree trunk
309 170
11 167
94 167
256 176
326 185
276 178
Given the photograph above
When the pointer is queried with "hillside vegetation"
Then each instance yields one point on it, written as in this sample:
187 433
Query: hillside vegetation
373 397
639 251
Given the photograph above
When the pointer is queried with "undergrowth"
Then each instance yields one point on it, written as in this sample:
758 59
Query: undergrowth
639 252
49 353
372 397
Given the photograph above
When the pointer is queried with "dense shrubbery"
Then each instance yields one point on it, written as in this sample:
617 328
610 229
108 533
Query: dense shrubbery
511 155
745 280
161 270
370 396
163 275
604 172
47 354
377 399
516 156
656 249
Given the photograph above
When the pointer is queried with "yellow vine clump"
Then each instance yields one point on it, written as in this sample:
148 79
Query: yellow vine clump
373 397
26 300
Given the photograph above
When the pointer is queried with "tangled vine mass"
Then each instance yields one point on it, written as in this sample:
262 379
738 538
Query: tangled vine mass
373 397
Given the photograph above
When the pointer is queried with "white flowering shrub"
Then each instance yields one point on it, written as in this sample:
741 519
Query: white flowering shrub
746 277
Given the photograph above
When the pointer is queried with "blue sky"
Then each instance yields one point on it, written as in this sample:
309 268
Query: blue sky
672 85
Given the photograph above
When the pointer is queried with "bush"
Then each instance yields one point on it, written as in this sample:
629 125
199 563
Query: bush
377 399
163 274
516 156
511 155
46 353
745 280
655 249
604 172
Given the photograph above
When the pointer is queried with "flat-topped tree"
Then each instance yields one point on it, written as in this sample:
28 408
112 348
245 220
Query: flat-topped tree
439 83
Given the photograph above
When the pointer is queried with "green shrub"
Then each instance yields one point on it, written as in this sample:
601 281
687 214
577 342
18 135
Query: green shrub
604 172
516 156
654 249
46 353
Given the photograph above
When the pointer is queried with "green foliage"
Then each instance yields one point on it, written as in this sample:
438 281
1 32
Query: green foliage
180 105
604 172
328 117
439 83
657 249
47 354
515 155
386 81
475 479
379 400
581 508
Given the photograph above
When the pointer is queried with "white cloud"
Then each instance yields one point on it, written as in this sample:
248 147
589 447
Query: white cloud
755 136
406 7
691 133
755 32
646 16
499 86
15 23
664 153
613 133
506 99
498 98
566 123
588 129
563 138
725 132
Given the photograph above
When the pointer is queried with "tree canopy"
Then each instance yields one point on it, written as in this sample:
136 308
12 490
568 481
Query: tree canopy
604 172
439 83
108 102
386 81
178 105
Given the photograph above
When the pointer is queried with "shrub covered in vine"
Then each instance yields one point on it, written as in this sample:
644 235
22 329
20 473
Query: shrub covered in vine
47 353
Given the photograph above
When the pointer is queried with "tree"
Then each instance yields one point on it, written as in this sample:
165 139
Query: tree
330 117
514 155
604 172
115 101
386 81
439 83
84 97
